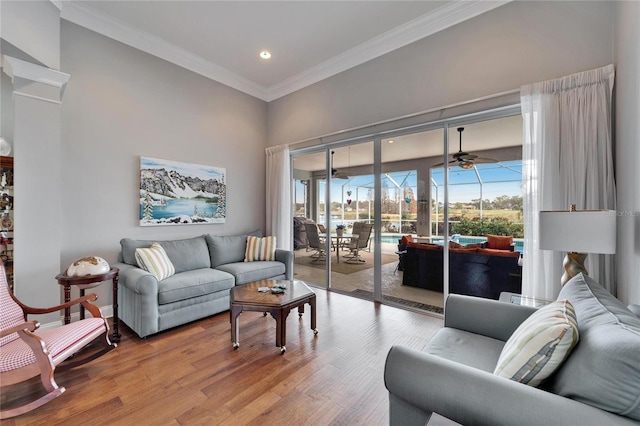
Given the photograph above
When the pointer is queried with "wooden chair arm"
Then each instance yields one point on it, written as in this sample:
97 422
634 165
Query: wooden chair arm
36 311
29 326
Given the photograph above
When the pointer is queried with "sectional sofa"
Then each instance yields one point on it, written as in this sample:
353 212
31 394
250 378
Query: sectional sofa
206 268
473 271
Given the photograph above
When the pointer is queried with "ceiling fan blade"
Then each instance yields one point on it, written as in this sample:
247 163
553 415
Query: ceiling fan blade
452 162
465 157
484 160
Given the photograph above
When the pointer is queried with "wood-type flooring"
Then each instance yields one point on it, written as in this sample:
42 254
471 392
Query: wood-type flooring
191 375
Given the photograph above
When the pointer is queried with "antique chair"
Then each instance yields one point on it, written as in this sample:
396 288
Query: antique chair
359 243
26 352
314 243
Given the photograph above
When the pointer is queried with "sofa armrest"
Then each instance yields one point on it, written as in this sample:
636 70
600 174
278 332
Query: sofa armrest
138 299
486 317
137 280
420 384
286 257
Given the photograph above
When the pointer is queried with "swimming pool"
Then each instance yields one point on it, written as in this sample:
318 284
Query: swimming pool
393 238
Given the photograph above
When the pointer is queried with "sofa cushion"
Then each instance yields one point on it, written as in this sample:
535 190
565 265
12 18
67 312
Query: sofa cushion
540 344
406 239
471 349
155 261
604 368
247 272
189 284
227 249
499 242
260 249
186 255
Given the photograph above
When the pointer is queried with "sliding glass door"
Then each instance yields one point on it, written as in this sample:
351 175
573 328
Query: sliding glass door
400 222
411 275
309 211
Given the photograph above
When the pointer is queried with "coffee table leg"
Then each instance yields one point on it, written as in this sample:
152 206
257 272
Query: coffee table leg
300 310
235 329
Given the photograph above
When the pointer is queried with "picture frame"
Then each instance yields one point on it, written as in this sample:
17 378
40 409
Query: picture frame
178 193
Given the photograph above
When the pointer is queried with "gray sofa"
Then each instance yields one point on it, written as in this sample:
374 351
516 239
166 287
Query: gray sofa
207 267
598 384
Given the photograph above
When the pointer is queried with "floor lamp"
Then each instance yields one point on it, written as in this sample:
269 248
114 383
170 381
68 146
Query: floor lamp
578 233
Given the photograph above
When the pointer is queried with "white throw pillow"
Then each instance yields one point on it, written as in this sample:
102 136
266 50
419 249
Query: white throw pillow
155 261
260 249
540 344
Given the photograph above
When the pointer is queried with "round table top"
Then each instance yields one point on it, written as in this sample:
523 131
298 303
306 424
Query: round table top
63 278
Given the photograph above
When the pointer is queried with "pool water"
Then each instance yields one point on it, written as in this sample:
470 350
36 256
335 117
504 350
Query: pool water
393 239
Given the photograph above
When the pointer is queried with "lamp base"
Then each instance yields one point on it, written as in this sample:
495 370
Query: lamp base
573 265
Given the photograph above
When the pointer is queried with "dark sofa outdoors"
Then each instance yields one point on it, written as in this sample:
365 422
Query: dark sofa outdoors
473 271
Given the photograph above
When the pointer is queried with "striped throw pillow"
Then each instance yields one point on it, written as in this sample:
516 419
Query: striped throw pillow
155 261
260 249
540 344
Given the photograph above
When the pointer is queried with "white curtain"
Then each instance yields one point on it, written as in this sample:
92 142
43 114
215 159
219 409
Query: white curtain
567 159
278 205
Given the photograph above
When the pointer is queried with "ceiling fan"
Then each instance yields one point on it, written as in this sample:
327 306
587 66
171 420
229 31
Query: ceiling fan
335 173
464 159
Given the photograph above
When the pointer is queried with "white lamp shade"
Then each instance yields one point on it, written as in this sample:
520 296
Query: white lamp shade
582 231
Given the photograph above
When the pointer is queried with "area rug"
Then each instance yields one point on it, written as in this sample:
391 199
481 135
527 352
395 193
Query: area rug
365 294
342 267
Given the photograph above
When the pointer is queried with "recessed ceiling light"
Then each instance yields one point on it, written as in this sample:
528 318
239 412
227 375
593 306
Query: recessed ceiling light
265 54
391 141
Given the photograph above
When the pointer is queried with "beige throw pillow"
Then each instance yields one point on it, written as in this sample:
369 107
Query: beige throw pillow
540 344
260 249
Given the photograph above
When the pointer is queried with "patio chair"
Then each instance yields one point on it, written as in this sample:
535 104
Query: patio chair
320 253
26 352
355 231
359 243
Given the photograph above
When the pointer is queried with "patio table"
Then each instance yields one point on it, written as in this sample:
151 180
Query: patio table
338 239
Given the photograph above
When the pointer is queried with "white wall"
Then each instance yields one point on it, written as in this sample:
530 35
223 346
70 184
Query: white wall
121 104
516 44
34 28
627 94
519 43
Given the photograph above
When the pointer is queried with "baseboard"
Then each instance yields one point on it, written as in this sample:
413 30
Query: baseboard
107 312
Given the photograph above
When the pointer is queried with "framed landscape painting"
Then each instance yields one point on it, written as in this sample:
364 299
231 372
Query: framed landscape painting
175 193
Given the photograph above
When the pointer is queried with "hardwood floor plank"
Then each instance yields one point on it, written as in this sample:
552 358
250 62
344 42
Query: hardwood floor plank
191 375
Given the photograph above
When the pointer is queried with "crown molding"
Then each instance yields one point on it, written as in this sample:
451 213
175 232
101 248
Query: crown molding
419 28
423 26
117 30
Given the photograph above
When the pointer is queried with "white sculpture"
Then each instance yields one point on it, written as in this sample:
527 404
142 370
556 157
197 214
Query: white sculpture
91 265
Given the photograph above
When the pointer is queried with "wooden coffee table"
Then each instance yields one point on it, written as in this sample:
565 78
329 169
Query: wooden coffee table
248 298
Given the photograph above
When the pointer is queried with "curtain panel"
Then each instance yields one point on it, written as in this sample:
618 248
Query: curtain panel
278 196
567 158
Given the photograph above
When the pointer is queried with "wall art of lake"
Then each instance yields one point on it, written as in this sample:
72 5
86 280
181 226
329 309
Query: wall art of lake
182 207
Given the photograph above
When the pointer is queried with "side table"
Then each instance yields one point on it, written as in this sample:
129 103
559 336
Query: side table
89 281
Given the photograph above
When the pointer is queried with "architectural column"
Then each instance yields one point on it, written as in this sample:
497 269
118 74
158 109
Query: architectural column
37 98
